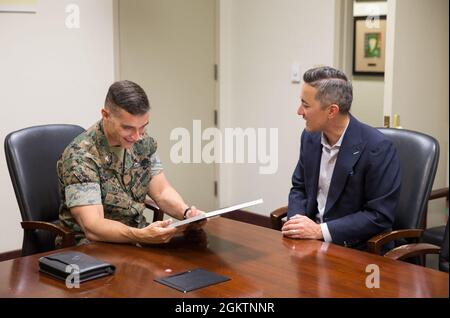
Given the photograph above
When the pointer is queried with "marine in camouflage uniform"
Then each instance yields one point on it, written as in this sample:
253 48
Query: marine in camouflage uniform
91 172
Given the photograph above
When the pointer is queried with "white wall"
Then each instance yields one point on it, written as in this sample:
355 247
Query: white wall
417 86
368 99
259 41
363 8
417 79
50 74
368 91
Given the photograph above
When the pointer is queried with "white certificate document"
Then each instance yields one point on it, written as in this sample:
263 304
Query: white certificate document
216 213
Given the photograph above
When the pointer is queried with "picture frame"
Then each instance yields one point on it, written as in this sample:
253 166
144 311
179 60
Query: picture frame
369 45
18 6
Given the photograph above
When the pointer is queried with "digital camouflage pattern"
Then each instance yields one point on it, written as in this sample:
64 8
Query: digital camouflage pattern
91 172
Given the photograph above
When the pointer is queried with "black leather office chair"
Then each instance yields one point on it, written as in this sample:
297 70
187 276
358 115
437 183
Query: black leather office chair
443 257
435 235
420 249
418 154
31 156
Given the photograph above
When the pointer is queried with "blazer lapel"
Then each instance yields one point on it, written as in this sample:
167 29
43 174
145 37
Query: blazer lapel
349 153
312 164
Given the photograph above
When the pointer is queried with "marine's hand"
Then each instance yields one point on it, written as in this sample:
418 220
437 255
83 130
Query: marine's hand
155 233
195 225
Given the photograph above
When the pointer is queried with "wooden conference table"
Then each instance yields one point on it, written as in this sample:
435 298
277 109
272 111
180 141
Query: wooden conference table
259 261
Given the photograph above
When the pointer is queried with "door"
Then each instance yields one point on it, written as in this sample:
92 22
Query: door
169 48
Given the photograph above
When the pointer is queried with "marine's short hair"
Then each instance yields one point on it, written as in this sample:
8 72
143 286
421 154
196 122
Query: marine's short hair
129 96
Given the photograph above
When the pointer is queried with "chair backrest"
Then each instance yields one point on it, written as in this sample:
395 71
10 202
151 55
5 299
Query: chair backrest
419 155
443 257
31 156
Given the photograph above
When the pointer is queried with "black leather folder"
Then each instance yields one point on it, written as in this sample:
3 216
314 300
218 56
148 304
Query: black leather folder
192 280
61 265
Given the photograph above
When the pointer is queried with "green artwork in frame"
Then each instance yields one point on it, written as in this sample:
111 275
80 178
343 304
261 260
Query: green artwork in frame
369 45
372 45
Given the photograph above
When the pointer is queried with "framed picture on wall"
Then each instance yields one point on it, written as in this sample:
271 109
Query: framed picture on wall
369 45
18 6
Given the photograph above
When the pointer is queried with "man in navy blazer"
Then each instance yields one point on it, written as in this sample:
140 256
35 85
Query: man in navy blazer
346 185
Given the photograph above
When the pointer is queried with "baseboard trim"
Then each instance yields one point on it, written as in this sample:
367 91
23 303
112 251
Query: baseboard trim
249 217
10 255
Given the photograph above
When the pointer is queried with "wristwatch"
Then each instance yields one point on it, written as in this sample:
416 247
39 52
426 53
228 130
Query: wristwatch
185 213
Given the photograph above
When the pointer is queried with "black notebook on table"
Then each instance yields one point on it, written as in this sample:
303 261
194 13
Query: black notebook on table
61 265
192 280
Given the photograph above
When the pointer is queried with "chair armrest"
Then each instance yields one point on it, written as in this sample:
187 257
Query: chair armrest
68 237
375 243
158 214
411 250
277 216
439 193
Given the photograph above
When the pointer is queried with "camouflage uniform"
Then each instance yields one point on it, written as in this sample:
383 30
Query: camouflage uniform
91 172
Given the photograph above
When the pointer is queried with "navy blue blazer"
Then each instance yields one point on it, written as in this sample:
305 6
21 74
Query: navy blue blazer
364 189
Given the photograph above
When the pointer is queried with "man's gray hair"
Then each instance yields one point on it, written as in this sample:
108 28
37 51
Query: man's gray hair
332 86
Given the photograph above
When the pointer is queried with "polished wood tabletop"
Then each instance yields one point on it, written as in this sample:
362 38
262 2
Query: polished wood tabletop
258 261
